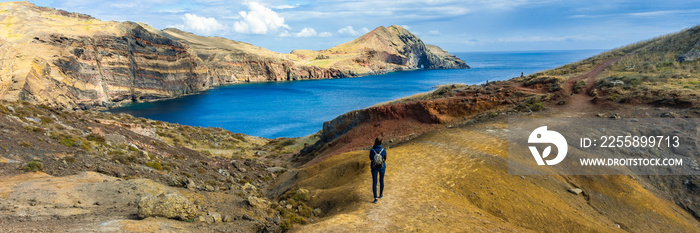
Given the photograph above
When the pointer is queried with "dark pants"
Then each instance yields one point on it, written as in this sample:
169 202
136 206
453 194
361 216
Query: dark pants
374 182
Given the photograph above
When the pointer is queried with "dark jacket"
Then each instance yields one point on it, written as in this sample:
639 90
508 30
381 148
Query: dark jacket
374 151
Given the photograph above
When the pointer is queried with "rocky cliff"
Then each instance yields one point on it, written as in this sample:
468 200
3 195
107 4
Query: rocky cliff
66 59
227 61
71 60
384 49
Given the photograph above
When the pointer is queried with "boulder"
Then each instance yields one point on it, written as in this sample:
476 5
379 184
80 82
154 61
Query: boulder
172 205
276 169
216 216
249 187
317 212
256 202
190 184
576 191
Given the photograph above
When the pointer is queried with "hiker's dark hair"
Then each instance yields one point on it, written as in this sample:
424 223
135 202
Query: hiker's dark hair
377 142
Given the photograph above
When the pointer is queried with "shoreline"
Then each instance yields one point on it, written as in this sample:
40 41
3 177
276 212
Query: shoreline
127 102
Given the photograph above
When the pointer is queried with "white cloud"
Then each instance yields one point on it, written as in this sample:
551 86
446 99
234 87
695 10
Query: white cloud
405 26
201 24
306 32
406 9
348 30
258 20
172 11
434 32
286 6
641 14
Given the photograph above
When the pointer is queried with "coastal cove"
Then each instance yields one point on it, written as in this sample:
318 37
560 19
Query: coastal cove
299 108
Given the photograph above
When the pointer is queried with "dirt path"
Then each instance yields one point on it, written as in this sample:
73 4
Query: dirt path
422 191
581 102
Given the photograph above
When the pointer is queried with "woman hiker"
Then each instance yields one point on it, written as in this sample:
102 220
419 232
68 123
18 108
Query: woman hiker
377 156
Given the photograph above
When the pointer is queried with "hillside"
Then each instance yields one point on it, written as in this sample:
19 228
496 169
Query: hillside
71 60
663 70
447 167
86 171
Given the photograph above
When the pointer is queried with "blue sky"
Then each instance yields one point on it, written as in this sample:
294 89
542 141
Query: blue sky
457 26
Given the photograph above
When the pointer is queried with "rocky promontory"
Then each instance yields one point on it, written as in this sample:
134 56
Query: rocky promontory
71 60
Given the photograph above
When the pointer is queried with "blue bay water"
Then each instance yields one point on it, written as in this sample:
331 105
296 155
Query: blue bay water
299 108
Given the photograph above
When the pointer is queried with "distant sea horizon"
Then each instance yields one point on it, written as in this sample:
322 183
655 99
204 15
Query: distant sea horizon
299 108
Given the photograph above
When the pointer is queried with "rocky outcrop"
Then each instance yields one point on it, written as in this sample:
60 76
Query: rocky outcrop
70 60
692 55
404 119
172 205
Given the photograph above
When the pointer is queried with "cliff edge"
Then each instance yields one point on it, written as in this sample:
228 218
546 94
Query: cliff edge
72 60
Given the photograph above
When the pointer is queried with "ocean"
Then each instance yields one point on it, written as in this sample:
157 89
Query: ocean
299 108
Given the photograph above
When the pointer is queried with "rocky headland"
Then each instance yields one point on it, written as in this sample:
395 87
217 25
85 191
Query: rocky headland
71 60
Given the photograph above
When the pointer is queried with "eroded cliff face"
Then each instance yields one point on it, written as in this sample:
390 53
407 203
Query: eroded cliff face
230 70
135 66
67 60
230 62
70 60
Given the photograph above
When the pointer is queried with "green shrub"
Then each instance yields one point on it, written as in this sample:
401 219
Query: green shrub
537 106
289 142
125 159
96 138
115 152
45 120
85 145
297 219
66 140
579 86
534 79
155 165
34 165
4 109
301 196
240 137
24 144
286 225
532 104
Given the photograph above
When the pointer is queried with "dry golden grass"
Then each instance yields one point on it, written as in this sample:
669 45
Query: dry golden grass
457 180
